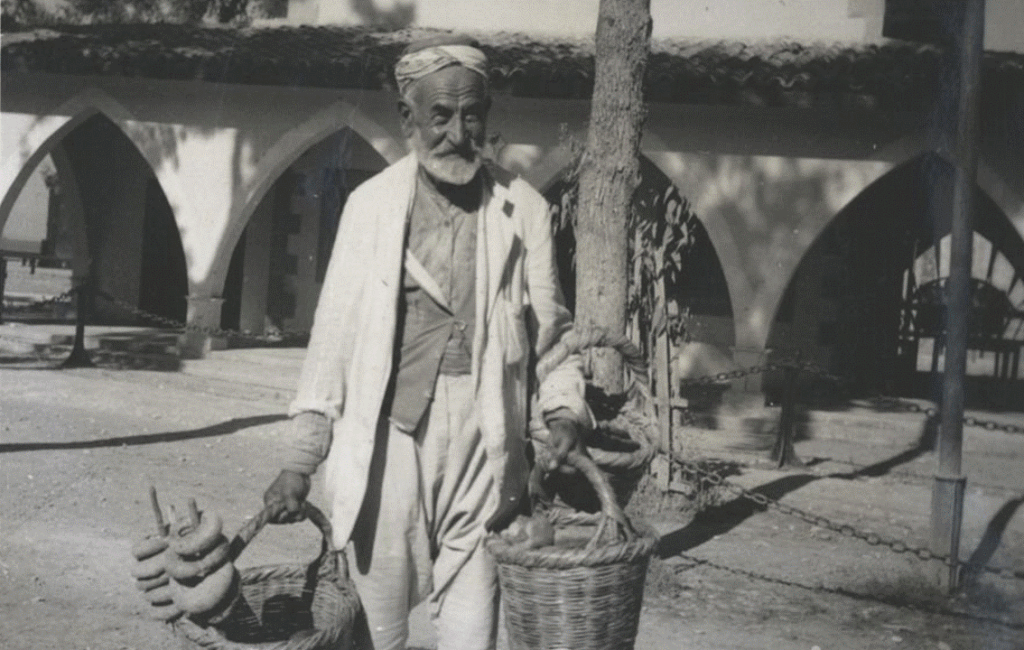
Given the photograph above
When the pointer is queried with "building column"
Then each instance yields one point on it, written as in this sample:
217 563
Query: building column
203 313
256 275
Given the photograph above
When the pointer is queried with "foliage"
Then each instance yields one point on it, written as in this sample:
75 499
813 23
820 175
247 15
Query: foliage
662 229
34 12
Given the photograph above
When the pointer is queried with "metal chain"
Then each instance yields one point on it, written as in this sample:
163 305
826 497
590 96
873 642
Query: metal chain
874 539
736 374
839 591
815 369
782 364
930 412
53 300
208 330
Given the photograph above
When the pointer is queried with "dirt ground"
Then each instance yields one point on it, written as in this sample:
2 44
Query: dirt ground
80 448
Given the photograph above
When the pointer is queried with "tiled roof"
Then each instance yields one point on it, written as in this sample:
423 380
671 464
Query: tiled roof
894 75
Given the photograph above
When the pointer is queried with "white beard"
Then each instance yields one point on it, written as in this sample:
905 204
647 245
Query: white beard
452 169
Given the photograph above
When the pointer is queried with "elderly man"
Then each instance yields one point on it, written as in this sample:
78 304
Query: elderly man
416 389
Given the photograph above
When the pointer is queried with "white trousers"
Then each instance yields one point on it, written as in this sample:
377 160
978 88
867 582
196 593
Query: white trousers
421 528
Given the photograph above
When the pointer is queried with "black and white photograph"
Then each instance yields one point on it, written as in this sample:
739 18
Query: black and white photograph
512 325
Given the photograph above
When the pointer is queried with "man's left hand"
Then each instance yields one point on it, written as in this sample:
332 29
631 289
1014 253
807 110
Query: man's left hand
565 437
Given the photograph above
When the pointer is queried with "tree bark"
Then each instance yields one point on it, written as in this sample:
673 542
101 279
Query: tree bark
610 174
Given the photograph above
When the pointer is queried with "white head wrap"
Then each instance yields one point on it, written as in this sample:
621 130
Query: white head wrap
420 63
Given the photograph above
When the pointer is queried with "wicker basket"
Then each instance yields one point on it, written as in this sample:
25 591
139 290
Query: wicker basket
283 607
577 597
623 441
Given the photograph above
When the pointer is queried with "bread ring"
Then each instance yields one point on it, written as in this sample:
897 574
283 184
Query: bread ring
166 613
149 584
148 546
159 596
190 572
190 542
208 594
226 607
151 567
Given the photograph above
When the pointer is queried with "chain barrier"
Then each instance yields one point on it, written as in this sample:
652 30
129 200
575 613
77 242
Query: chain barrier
815 369
772 366
39 304
839 591
208 330
847 530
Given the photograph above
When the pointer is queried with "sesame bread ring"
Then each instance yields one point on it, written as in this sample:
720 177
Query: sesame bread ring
208 594
190 572
148 546
149 584
166 613
191 542
151 567
159 596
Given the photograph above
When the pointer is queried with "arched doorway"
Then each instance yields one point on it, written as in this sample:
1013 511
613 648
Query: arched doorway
867 300
38 249
133 240
106 216
278 265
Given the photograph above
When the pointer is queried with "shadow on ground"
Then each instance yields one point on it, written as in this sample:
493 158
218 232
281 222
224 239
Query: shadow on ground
221 429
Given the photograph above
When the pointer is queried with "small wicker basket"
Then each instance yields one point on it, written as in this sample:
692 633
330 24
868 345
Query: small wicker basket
576 597
283 607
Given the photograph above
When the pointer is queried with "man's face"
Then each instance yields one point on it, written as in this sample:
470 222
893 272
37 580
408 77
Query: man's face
444 117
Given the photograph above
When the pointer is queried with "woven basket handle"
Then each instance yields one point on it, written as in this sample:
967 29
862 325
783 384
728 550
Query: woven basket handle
612 514
328 558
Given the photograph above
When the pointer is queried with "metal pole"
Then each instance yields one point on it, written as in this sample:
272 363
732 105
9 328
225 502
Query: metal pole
79 358
948 492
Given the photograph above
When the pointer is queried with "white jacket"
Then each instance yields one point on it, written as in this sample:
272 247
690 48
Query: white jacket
351 349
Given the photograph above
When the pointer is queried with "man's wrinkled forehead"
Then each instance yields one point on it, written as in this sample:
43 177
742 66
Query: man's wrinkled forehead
450 87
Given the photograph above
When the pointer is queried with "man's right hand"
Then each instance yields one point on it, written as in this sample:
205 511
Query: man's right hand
285 496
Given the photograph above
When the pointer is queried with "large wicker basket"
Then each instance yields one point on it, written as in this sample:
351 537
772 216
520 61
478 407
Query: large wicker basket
623 440
577 596
283 607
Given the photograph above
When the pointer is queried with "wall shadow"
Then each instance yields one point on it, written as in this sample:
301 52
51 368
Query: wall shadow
221 429
925 444
722 518
717 520
991 539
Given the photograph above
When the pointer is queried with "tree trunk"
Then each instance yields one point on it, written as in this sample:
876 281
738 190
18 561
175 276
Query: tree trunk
610 174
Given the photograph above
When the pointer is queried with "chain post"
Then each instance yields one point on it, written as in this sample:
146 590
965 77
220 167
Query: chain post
79 358
3 285
783 452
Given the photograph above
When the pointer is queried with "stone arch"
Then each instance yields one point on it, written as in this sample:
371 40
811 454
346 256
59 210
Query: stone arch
131 231
915 145
290 147
552 167
293 227
45 132
849 307
48 130
729 254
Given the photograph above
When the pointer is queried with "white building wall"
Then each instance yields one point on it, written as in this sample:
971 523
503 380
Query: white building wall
826 20
217 149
